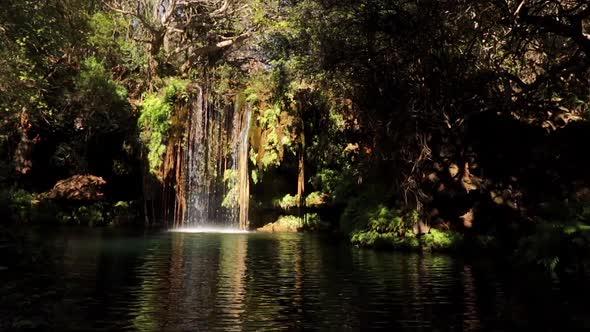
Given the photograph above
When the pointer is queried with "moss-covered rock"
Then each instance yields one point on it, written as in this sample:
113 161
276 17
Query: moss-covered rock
285 224
310 222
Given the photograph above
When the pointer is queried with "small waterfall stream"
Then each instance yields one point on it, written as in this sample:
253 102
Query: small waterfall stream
216 164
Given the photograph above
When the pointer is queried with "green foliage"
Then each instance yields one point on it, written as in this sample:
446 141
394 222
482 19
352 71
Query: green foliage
154 121
275 118
230 178
310 222
21 206
95 214
287 202
103 100
91 215
337 184
226 79
313 223
254 176
289 222
124 212
374 239
108 36
20 203
36 45
382 227
436 240
553 245
269 118
94 77
360 208
385 220
559 243
315 199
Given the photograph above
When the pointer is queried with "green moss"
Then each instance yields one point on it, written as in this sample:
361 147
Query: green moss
310 222
289 222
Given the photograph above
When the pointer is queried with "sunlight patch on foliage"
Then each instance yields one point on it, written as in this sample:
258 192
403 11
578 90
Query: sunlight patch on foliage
156 111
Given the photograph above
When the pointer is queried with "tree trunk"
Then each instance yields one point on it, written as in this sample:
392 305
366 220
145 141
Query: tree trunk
156 44
301 177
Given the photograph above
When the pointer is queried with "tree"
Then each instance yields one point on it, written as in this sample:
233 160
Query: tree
182 33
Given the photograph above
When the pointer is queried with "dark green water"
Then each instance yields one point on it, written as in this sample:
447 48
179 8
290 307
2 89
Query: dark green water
103 280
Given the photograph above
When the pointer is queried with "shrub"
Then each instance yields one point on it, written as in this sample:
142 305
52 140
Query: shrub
374 239
384 220
361 208
313 222
91 215
437 240
389 228
315 199
555 244
560 243
21 204
124 212
287 202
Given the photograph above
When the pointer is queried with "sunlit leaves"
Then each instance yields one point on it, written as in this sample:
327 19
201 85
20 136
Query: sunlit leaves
154 121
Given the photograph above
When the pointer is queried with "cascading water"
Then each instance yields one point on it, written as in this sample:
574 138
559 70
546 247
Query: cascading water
243 176
216 165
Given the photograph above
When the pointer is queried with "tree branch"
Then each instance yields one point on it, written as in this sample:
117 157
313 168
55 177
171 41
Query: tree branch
553 24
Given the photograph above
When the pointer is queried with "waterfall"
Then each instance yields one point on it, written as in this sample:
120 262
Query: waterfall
243 176
216 185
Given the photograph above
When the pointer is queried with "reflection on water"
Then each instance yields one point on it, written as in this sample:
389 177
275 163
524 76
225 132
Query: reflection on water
248 282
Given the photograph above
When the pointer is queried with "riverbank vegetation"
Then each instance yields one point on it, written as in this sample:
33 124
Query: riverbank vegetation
401 124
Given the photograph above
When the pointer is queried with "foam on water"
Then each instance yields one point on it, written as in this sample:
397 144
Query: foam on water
208 230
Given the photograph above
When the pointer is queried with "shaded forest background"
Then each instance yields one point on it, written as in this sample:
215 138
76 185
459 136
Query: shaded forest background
404 124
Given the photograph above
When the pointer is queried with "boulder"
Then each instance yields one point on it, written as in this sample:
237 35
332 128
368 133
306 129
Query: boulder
285 224
78 188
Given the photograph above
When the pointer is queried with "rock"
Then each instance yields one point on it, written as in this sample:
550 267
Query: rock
79 188
285 224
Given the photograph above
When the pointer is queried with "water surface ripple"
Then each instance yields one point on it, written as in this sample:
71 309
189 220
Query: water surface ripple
105 281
